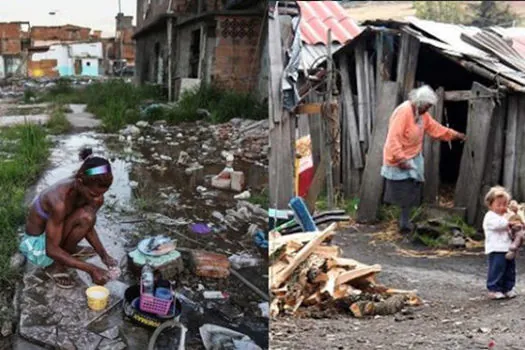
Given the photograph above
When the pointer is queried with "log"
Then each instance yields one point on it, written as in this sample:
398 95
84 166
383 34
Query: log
432 153
372 185
301 256
328 251
474 157
357 273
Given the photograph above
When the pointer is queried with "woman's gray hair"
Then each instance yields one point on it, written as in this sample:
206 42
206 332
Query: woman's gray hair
422 96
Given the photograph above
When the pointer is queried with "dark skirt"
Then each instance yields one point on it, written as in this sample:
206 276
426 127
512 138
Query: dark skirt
403 193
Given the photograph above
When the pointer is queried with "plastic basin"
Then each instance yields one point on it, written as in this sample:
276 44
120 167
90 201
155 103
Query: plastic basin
97 298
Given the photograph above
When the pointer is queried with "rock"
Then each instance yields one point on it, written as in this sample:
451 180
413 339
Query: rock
133 184
130 130
217 216
184 157
457 241
142 124
111 333
203 113
237 181
17 261
112 345
7 329
244 195
201 189
179 135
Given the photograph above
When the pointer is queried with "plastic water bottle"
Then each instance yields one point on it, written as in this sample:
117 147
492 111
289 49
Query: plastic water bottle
147 279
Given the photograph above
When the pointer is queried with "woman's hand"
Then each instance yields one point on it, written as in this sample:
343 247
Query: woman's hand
461 136
405 166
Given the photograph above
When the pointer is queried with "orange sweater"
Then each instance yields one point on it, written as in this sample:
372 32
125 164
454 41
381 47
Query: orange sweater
405 138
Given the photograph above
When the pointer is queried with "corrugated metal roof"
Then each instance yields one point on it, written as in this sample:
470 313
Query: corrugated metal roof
451 34
516 35
314 55
453 44
319 16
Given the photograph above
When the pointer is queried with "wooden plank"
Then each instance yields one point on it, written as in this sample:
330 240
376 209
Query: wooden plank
519 192
349 116
303 126
367 97
492 171
466 95
509 168
407 65
372 95
431 151
357 273
316 185
309 108
281 164
301 256
276 65
372 184
385 59
362 88
474 157
314 122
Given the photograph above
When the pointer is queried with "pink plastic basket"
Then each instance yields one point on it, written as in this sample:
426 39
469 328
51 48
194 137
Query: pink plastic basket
151 304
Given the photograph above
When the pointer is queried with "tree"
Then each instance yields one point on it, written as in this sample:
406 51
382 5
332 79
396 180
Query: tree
492 13
441 11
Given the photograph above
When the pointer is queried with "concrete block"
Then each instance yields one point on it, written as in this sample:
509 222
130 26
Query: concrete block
238 181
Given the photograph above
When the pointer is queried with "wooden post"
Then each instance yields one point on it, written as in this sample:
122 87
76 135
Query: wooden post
432 152
509 169
280 155
474 157
372 184
326 124
407 64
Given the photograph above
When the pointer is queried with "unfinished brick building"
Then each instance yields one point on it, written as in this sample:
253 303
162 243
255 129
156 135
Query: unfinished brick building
14 42
201 41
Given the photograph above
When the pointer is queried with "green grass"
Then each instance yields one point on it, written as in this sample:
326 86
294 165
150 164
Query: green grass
260 198
58 122
349 205
223 105
29 150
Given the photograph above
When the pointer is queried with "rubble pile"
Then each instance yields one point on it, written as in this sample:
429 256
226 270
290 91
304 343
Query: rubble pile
15 86
305 270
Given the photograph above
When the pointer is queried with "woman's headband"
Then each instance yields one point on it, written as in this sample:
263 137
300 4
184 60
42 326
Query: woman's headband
99 170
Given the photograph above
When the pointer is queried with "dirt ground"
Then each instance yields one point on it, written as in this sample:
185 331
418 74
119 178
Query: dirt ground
456 313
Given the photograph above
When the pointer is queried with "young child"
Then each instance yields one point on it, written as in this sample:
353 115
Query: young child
501 276
516 226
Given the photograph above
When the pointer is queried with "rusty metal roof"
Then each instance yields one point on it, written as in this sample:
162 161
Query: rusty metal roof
516 35
319 16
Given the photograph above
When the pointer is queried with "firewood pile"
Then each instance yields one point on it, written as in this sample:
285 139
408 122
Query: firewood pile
307 271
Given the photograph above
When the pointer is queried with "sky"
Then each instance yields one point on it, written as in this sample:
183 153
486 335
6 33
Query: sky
95 14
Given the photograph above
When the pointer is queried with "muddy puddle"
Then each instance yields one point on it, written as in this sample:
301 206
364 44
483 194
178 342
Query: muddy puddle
149 187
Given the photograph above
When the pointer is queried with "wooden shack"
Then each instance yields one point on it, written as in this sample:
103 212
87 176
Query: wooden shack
480 81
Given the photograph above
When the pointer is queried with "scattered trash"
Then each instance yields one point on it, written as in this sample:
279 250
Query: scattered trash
265 309
260 239
156 246
212 265
216 337
240 261
244 195
214 295
200 228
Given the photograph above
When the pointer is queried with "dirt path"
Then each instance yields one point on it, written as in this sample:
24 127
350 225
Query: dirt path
456 314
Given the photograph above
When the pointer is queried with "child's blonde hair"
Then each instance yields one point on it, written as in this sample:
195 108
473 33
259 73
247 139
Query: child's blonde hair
495 193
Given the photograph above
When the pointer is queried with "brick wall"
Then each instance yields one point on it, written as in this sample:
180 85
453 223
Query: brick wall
10 38
236 61
62 33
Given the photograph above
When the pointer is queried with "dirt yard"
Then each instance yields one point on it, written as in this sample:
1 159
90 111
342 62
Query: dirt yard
456 313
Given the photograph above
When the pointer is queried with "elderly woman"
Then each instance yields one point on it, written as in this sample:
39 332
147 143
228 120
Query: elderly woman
403 164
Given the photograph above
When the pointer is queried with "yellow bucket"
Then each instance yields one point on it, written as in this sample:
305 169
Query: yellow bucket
97 297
